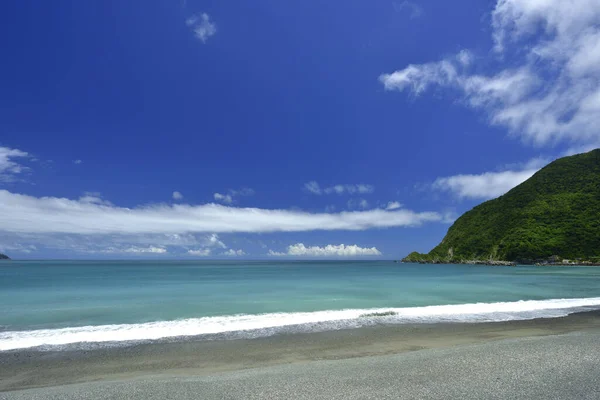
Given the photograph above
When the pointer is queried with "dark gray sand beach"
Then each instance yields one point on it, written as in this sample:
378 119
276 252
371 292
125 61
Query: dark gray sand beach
545 358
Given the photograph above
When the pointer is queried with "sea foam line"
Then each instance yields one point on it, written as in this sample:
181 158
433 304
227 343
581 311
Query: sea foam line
270 323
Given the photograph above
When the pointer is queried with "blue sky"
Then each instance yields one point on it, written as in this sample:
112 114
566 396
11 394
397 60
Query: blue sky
280 129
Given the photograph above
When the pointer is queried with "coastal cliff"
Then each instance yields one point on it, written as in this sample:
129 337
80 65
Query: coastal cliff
4 257
553 217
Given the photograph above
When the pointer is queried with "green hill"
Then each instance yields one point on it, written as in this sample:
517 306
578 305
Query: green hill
555 212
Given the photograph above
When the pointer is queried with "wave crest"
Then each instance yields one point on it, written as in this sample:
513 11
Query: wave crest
240 326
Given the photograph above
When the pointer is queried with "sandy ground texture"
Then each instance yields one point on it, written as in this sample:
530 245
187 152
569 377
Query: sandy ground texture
195 358
549 367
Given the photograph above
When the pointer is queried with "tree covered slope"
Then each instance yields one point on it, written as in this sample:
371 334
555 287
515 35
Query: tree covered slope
555 212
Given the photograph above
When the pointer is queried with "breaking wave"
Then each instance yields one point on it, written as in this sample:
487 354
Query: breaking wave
251 326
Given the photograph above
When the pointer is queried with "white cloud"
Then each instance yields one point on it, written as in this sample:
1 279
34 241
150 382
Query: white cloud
314 188
414 9
9 168
107 243
483 186
202 27
358 203
223 198
351 189
465 58
535 163
17 247
214 241
201 245
582 148
77 161
94 198
200 252
242 192
393 205
300 250
151 249
419 78
162 240
52 215
551 93
232 194
177 196
134 250
207 244
234 253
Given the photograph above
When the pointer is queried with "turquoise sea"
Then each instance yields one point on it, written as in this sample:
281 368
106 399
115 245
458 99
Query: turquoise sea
44 304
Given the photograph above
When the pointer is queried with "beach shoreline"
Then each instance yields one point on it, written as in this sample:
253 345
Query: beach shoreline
563 366
25 369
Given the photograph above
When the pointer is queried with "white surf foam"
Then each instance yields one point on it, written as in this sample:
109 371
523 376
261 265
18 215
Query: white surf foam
266 324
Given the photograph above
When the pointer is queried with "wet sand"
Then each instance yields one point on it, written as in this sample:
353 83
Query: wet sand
201 359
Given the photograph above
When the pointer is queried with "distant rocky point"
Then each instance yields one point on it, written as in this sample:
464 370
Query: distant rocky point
419 258
4 257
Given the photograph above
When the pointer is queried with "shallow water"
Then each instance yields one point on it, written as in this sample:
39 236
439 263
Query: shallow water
62 302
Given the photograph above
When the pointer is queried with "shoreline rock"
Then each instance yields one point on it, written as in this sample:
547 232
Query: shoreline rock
464 262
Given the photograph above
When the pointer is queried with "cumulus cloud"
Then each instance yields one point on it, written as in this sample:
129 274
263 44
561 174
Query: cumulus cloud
242 192
134 250
300 250
9 165
483 186
29 214
94 198
214 241
229 197
206 246
546 82
358 204
77 162
234 253
107 243
489 185
202 26
223 198
169 239
17 247
314 188
414 9
393 205
177 196
351 189
200 252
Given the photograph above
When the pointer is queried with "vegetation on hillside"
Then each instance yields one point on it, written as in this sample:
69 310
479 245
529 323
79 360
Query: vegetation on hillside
555 212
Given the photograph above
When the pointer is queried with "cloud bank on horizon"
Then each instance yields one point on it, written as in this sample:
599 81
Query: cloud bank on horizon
93 225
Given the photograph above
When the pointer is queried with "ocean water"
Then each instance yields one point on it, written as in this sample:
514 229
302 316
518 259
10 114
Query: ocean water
66 304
